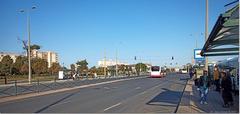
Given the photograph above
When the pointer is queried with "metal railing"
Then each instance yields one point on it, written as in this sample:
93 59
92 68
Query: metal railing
15 88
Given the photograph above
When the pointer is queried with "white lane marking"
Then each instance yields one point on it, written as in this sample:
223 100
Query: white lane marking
106 87
138 88
112 106
143 93
62 103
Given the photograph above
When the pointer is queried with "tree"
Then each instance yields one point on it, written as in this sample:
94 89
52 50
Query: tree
82 66
1 72
6 65
72 68
122 69
20 61
39 66
92 71
140 66
54 69
24 69
64 68
34 46
128 69
100 71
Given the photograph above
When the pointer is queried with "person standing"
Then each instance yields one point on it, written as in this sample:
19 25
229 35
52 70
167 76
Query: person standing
198 73
204 84
216 78
191 73
226 86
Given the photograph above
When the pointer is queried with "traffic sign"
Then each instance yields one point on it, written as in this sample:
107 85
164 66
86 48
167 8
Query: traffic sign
197 55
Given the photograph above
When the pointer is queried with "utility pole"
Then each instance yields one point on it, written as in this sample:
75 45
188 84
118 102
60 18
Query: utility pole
29 42
29 50
206 33
105 63
140 70
116 63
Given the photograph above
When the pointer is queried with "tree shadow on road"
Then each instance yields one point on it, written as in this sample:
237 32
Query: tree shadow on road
54 103
166 98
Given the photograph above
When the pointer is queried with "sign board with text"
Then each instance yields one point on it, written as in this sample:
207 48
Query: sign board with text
197 55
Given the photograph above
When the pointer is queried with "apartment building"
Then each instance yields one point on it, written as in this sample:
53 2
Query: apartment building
49 56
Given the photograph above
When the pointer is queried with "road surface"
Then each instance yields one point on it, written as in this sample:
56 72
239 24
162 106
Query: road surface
152 95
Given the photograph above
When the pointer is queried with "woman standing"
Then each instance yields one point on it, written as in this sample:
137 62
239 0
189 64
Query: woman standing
216 77
226 86
204 84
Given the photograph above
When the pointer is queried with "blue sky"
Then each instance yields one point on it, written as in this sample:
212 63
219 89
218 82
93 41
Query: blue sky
153 30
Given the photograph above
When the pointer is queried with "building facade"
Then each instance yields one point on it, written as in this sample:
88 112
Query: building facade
107 63
12 55
49 56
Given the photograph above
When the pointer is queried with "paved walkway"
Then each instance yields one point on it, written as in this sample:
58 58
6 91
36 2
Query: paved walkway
190 102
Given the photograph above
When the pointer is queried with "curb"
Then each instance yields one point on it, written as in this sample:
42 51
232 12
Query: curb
181 97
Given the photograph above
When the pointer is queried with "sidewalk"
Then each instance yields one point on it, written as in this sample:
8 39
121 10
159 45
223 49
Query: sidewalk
190 102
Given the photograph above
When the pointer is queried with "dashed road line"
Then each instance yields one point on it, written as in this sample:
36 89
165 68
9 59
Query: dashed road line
112 106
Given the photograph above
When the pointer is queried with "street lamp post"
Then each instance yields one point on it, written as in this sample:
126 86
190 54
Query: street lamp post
116 63
206 33
105 74
192 35
29 42
196 44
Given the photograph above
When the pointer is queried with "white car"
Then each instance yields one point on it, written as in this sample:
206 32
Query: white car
184 71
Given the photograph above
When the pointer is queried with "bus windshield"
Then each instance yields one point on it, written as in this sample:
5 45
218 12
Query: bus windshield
155 68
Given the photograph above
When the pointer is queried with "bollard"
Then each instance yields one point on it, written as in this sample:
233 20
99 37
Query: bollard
38 85
15 83
5 78
55 79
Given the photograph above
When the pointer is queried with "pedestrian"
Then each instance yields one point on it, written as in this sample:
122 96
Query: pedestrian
198 73
226 87
74 76
233 80
216 78
191 73
204 84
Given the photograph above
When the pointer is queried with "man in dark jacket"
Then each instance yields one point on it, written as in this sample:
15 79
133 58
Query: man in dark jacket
226 86
204 84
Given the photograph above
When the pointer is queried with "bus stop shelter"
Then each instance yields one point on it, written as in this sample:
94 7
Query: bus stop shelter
224 37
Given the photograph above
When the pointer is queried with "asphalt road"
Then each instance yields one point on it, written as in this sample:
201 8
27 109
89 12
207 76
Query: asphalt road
152 95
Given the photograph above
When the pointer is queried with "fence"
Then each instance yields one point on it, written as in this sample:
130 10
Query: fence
22 87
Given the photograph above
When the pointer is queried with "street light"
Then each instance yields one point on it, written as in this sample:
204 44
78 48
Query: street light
116 63
206 33
29 42
117 53
196 38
